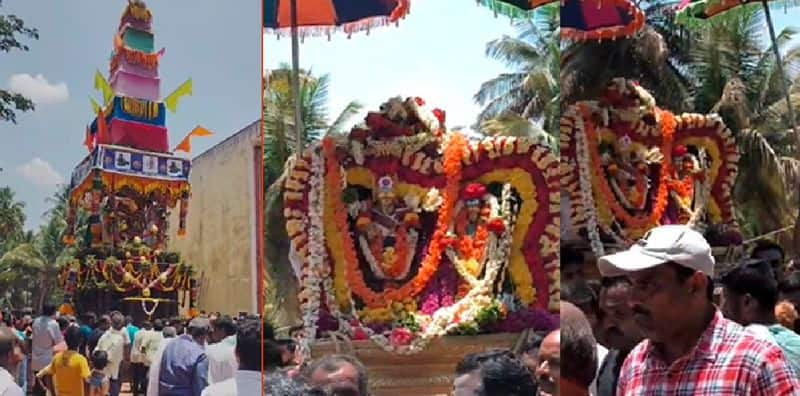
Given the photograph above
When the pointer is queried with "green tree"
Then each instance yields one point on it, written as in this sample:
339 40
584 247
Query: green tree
530 92
12 30
12 219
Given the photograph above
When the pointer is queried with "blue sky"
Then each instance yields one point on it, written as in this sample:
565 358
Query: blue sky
436 52
217 46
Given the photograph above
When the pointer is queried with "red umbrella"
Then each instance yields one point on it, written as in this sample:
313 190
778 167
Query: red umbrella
322 17
585 20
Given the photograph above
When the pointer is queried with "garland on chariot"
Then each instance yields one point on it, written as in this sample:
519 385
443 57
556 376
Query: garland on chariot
628 165
129 183
402 231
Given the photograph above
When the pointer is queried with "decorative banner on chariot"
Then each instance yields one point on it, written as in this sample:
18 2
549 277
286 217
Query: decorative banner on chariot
628 166
402 232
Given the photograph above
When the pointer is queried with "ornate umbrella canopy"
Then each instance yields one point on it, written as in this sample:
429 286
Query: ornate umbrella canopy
585 20
514 8
322 16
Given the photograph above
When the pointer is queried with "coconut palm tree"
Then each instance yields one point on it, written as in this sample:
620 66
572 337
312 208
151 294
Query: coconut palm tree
530 91
735 74
12 217
278 149
655 57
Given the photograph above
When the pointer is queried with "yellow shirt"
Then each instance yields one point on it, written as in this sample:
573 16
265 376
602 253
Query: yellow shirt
70 371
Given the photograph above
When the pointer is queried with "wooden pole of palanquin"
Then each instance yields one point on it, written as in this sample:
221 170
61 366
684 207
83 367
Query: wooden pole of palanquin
298 119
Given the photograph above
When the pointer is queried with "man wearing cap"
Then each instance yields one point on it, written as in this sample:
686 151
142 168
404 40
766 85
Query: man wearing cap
184 365
690 348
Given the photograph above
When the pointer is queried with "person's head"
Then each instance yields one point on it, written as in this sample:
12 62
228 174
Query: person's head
128 320
571 264
249 345
786 314
280 384
10 349
670 271
49 310
578 350
790 288
158 325
99 359
104 323
63 322
529 353
579 293
549 369
750 293
199 328
89 319
117 321
619 329
492 373
224 326
147 325
338 374
169 332
273 355
177 323
74 337
771 253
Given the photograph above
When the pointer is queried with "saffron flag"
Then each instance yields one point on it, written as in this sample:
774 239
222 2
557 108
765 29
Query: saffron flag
101 84
171 101
101 127
88 140
95 106
186 144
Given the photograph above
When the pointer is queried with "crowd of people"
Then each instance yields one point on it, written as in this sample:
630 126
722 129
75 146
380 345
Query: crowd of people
663 320
60 355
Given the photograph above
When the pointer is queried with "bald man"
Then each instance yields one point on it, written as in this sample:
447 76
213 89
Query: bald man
10 356
549 368
579 348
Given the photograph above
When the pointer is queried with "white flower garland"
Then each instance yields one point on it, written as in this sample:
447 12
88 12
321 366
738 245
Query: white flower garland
363 244
587 199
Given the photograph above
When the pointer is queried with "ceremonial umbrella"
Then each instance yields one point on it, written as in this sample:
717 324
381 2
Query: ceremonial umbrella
585 20
318 17
514 8
693 12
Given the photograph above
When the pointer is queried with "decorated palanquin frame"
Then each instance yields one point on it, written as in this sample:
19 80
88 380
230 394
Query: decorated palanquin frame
333 203
628 166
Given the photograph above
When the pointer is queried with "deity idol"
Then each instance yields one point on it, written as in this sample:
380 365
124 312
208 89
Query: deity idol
387 234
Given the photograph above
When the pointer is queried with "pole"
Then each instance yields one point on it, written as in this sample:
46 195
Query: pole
775 50
298 119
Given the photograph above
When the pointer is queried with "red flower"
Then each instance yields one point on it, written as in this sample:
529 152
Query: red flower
419 101
401 336
679 151
496 226
474 191
359 334
440 115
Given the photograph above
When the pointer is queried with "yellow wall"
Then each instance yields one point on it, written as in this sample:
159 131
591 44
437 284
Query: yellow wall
221 224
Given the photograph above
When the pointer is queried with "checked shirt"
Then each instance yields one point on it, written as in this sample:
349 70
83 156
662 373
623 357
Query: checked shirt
727 361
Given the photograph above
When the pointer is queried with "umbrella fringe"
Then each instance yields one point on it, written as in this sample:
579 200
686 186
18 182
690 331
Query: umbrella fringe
609 33
366 24
502 8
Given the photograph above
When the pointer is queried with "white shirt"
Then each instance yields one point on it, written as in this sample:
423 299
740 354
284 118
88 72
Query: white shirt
155 368
8 387
601 355
244 383
150 342
114 342
222 362
46 335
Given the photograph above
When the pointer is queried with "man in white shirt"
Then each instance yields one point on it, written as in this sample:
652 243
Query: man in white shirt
167 335
10 356
46 335
247 380
114 342
222 363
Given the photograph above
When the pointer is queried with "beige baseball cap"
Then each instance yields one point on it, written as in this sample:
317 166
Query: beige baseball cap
670 243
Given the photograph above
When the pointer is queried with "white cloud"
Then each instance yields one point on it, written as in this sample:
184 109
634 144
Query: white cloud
39 172
38 89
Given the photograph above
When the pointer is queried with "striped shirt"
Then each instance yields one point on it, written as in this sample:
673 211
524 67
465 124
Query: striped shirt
727 360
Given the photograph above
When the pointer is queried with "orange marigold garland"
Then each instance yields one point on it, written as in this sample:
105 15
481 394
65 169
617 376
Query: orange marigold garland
453 154
667 126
